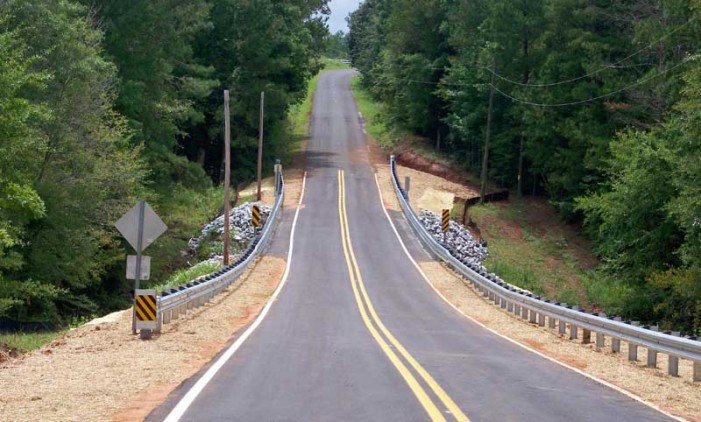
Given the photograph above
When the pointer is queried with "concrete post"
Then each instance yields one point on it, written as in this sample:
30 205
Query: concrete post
600 342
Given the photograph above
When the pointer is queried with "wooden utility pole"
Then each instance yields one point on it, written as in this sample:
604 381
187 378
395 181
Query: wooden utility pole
485 156
260 142
227 175
520 168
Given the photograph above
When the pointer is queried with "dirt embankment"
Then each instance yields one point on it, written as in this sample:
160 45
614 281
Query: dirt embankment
417 162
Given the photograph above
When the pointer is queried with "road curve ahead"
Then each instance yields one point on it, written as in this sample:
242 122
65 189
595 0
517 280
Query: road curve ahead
357 335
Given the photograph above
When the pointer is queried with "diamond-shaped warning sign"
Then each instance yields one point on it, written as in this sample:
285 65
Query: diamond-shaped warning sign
153 226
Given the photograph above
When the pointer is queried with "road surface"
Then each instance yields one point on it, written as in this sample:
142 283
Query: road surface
357 335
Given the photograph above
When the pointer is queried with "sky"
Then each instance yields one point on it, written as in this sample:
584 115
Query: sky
339 10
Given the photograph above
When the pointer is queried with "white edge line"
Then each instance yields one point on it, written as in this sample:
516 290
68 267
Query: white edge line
523 346
184 403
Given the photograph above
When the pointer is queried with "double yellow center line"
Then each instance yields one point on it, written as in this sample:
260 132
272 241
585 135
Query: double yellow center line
373 323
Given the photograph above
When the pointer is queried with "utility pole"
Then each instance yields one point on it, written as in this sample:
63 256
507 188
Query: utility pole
520 168
485 157
260 142
227 175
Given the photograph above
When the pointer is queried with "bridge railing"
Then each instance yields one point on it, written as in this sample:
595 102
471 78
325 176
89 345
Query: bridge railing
177 301
537 309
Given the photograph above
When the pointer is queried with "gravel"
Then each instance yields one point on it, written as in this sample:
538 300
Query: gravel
459 240
242 230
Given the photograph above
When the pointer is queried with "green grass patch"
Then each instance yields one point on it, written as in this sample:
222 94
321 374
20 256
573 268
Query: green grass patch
187 274
26 342
334 64
541 262
372 113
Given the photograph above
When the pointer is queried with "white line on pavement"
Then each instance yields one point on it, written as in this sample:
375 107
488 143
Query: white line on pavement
184 403
592 377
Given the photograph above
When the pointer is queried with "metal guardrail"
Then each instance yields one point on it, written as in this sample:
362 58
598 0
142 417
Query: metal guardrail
536 309
177 301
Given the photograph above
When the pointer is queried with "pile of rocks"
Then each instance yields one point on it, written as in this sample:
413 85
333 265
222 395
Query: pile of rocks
458 240
242 230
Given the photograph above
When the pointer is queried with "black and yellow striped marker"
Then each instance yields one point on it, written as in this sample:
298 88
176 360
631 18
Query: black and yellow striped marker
445 220
146 307
255 216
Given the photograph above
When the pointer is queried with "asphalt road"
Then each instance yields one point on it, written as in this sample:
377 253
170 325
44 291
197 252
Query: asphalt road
357 335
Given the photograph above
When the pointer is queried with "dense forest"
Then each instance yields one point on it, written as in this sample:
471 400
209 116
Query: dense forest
104 102
594 104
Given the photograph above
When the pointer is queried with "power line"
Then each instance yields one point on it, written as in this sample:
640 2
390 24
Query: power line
601 69
618 91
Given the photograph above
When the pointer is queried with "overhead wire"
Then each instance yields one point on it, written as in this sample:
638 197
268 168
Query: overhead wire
599 70
609 94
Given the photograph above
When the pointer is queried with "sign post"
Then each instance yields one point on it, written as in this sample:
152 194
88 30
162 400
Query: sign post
140 226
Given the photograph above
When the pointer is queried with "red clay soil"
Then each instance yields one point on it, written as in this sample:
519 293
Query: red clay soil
417 162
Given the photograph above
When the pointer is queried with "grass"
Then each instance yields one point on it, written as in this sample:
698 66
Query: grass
542 261
333 64
187 274
372 114
26 342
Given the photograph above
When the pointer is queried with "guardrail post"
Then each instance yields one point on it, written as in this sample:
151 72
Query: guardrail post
673 361
533 315
573 332
503 303
600 342
616 342
586 336
509 307
632 347
652 353
517 309
551 322
562 327
524 312
697 371
541 319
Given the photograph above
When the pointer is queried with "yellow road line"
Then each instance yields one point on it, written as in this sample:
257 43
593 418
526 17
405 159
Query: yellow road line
433 411
437 389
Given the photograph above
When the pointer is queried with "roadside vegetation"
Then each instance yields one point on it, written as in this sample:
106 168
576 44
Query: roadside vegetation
104 105
592 106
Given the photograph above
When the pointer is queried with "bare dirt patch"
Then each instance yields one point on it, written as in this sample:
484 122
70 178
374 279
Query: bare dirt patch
102 372
679 396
